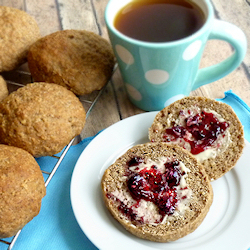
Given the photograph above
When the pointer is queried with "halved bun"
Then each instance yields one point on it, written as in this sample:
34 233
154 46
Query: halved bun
209 129
157 191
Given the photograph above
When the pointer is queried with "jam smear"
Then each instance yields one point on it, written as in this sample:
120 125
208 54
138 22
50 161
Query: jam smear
135 161
127 211
159 188
173 173
204 128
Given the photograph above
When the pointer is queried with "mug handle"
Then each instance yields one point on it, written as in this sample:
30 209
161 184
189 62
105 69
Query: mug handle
233 35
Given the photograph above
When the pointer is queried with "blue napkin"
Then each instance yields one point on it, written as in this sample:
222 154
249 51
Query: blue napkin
241 109
56 227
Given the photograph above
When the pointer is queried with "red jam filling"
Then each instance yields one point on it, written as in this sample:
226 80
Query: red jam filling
135 161
155 186
204 128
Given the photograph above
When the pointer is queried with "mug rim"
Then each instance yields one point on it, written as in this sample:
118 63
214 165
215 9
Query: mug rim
110 26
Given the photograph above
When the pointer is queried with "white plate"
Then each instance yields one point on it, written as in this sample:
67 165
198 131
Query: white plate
225 227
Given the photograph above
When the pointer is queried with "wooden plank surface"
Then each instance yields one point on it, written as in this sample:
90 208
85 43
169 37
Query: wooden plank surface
236 12
46 14
53 15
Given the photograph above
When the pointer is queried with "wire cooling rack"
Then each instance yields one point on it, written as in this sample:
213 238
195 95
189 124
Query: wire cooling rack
88 102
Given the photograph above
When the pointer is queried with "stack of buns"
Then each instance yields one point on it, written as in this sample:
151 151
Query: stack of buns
41 118
161 190
79 60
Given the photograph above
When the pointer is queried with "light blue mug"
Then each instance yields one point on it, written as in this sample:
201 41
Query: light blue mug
156 74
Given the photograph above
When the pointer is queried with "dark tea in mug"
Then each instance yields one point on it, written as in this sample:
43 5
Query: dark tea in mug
159 20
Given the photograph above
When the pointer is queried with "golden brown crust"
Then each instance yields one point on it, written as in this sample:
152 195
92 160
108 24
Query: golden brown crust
215 167
18 32
76 59
41 118
177 226
3 89
21 189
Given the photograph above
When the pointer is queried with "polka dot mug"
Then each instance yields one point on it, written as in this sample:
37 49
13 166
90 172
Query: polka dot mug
158 73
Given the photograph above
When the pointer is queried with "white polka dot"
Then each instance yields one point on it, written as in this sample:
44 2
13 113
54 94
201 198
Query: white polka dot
124 54
173 99
133 92
192 50
157 76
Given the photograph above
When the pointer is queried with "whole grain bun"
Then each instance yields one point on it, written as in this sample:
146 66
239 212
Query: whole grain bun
219 157
3 89
21 189
41 118
76 59
18 31
121 184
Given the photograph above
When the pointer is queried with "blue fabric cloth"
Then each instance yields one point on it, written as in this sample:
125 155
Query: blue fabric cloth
56 227
241 109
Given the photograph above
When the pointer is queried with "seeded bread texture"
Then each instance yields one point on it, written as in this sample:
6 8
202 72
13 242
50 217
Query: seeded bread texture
41 118
223 162
177 226
21 189
79 60
3 89
18 32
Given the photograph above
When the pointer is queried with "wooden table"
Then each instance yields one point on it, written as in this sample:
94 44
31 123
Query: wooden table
113 105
